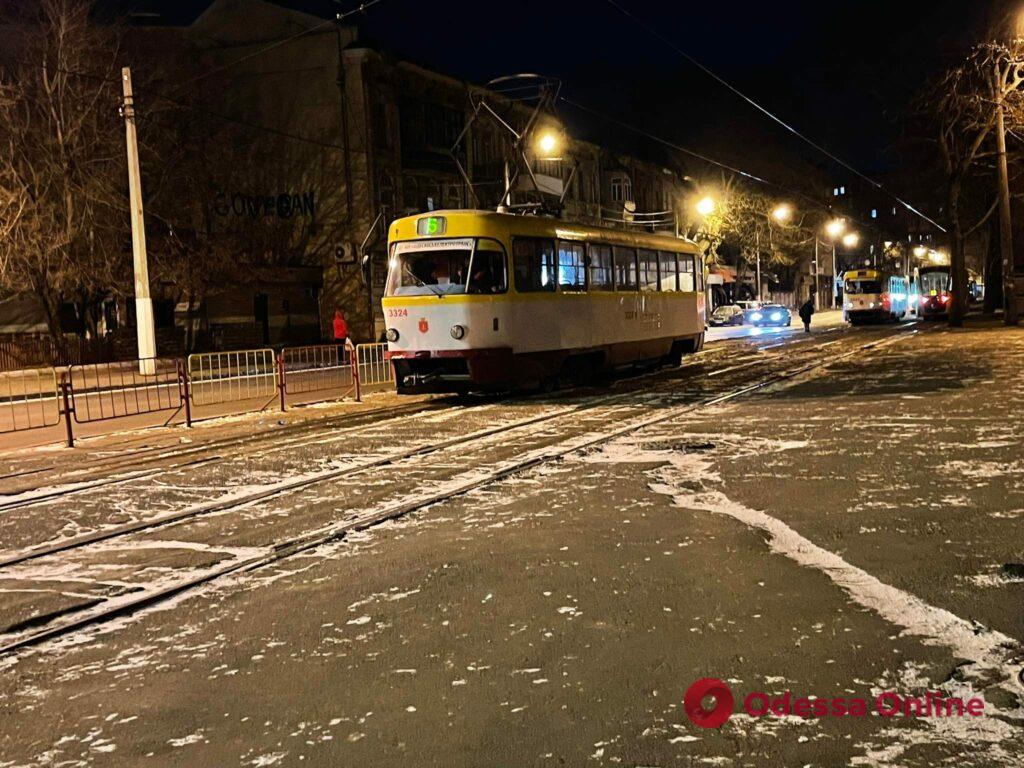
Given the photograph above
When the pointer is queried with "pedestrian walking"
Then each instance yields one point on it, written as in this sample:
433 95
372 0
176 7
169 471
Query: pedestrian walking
806 310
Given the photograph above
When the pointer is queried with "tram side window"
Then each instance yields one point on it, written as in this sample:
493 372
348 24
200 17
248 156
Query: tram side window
600 267
667 271
648 270
534 265
487 268
625 269
698 263
572 271
687 280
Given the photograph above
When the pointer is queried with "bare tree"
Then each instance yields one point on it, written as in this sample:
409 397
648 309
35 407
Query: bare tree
59 129
961 107
742 226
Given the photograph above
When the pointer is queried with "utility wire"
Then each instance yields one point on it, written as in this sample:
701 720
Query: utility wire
283 41
710 160
651 30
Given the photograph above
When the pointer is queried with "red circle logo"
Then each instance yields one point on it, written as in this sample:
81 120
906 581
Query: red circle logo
693 703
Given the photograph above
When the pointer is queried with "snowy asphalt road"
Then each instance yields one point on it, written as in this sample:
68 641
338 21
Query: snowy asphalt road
849 532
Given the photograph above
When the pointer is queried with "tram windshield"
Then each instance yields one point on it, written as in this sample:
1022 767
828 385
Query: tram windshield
447 267
933 283
863 286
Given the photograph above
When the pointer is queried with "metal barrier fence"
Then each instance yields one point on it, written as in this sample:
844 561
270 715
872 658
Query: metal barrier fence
374 368
36 398
103 391
316 368
29 400
220 377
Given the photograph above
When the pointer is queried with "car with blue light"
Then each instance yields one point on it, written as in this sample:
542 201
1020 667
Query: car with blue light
768 315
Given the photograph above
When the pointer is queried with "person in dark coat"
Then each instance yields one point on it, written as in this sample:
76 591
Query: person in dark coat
806 310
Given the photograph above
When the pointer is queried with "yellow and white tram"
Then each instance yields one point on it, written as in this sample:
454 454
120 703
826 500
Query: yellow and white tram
480 301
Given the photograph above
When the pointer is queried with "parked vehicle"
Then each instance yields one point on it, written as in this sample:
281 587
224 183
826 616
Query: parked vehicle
727 314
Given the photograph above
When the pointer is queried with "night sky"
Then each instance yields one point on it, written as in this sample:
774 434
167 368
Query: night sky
843 73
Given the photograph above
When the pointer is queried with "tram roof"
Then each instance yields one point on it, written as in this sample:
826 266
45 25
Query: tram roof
467 223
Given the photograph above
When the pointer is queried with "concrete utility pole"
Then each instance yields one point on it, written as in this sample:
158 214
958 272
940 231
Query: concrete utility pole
143 303
1010 315
757 249
816 277
835 293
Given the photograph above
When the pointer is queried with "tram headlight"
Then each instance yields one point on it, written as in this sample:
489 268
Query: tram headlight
756 316
392 334
458 332
776 316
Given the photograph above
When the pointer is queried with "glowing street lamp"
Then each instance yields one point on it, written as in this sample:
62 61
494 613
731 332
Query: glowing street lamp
547 144
920 251
706 206
783 212
850 239
833 229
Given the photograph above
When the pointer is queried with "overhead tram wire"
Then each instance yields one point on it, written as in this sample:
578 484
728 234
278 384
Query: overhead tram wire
714 76
710 160
697 155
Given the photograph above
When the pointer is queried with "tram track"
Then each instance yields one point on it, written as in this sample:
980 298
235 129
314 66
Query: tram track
305 541
309 433
131 458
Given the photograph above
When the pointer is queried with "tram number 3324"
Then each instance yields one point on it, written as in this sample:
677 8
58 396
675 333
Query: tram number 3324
398 313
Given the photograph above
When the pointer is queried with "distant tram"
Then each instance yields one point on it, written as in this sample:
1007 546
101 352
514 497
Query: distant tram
874 295
483 301
934 287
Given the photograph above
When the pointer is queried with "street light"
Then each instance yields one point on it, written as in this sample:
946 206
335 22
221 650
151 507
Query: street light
850 239
835 228
782 213
547 144
706 206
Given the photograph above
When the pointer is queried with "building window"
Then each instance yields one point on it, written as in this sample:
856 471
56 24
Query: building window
835 192
874 213
622 189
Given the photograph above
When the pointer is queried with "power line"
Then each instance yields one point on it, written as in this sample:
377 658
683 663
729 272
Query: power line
672 145
651 30
283 41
